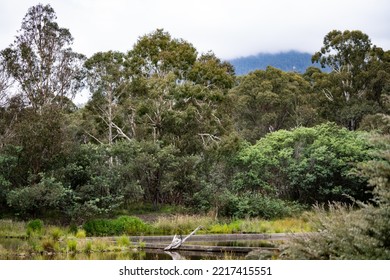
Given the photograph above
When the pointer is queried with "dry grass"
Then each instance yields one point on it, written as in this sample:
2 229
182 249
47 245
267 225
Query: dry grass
286 225
9 228
181 224
184 224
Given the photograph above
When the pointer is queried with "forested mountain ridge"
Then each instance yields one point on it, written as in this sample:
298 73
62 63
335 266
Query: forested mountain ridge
287 61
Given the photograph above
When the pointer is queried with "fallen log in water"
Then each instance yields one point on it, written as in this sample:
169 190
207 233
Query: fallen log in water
220 237
218 249
178 241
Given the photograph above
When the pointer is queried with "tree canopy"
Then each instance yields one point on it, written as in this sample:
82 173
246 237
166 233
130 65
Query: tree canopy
41 60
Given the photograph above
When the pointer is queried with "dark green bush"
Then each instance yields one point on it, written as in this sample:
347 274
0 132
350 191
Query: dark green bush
73 229
308 165
256 205
48 194
122 225
346 233
34 227
99 227
130 225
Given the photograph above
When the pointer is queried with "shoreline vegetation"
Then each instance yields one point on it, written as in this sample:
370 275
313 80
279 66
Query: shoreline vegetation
50 240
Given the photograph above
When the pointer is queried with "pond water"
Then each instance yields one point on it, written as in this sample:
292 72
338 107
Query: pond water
237 243
10 246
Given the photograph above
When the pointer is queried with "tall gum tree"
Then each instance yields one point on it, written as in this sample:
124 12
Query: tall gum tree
269 100
5 83
106 80
175 95
348 89
41 60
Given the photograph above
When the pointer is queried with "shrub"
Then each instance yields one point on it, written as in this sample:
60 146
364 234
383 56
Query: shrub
122 225
35 227
305 164
256 205
48 194
346 233
99 227
130 225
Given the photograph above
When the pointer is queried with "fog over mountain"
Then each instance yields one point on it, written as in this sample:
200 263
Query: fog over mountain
286 61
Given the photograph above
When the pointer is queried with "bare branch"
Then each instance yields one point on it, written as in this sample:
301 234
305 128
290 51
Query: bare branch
89 134
120 131
328 94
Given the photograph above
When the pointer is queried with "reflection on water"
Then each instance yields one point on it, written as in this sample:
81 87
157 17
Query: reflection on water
139 255
236 243
11 248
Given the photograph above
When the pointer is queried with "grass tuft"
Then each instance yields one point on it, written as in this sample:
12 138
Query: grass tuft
56 233
72 245
123 241
81 233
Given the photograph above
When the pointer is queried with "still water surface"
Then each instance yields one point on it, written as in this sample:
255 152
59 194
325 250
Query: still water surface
10 246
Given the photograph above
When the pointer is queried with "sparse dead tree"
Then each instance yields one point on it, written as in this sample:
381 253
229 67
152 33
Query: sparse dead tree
178 241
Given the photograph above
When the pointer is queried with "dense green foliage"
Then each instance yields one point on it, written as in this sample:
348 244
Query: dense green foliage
305 164
270 100
166 125
34 227
122 225
347 234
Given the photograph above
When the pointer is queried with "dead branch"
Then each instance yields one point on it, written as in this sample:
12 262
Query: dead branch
178 241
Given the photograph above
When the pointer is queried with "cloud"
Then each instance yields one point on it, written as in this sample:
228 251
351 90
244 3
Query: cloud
230 28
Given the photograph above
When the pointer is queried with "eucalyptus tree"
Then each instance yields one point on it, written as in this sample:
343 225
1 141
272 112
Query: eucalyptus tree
269 100
348 88
46 74
158 54
41 60
157 63
210 71
175 95
5 82
175 100
5 120
106 80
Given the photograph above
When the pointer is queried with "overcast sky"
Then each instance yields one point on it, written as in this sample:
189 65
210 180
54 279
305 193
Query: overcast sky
230 28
